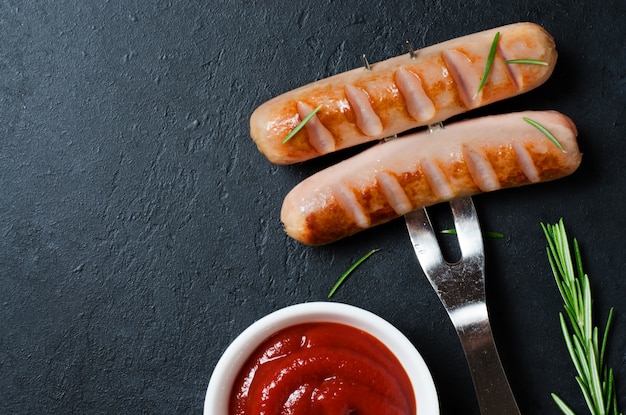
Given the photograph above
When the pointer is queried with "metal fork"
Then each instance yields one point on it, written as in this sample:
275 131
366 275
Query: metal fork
461 289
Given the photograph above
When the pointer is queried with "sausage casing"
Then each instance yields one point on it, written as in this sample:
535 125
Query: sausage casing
402 93
422 169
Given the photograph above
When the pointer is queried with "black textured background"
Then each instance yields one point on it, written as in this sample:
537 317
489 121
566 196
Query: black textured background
139 226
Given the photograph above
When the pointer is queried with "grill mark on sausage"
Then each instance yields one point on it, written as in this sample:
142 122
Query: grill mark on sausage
437 179
348 202
465 76
319 137
513 71
526 163
366 118
394 193
480 169
418 104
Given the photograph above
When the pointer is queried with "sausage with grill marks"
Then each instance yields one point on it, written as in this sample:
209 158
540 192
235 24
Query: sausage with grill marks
402 93
395 177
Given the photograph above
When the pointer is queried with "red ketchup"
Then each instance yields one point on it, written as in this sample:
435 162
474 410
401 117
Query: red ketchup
322 368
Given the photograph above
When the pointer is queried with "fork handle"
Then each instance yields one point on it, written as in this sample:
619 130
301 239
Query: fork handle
492 387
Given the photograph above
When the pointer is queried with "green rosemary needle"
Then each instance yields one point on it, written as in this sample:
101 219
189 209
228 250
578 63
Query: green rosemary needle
545 132
490 58
526 62
349 271
494 235
302 124
595 378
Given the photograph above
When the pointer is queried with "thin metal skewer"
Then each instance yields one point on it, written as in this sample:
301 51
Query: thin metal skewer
366 63
412 53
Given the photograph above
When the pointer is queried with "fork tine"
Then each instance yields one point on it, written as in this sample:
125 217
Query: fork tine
467 228
424 240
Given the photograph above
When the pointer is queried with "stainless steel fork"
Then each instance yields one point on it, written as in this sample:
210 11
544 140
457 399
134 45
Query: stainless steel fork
461 289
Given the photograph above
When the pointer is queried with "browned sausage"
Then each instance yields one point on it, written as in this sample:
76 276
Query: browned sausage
402 93
422 169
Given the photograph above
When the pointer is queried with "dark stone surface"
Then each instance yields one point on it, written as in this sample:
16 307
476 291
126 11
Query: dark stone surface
139 229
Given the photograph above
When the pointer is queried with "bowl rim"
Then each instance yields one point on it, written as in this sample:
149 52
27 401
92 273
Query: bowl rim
229 364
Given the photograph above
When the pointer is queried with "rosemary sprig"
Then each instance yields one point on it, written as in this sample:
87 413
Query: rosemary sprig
526 62
349 271
302 124
490 58
595 378
545 132
488 234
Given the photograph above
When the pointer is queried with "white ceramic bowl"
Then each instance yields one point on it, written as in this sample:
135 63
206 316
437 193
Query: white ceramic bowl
227 368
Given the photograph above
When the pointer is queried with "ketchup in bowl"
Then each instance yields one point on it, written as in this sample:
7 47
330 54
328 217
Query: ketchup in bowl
322 368
321 358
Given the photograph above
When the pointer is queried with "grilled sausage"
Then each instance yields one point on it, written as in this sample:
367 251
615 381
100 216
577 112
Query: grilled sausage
422 169
402 93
